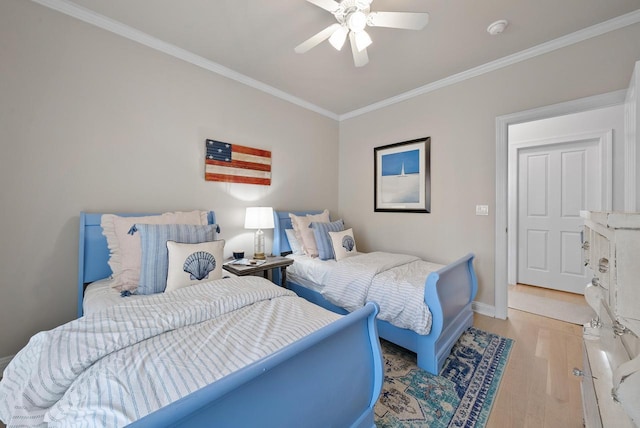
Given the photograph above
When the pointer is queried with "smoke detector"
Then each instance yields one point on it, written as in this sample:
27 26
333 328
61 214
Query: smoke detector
497 27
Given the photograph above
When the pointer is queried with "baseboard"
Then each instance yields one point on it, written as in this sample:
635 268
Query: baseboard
4 362
484 309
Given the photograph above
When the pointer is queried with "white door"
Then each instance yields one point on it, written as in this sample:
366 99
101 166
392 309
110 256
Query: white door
556 180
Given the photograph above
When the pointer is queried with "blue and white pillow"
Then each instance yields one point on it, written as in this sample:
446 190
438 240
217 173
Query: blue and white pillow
191 264
344 244
323 241
295 246
155 256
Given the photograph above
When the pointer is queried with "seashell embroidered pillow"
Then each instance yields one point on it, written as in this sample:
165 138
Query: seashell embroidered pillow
191 264
344 245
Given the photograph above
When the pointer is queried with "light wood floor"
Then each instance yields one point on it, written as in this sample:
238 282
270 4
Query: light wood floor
538 388
576 299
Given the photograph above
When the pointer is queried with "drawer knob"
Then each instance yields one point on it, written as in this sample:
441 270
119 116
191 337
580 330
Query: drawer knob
603 265
619 329
579 373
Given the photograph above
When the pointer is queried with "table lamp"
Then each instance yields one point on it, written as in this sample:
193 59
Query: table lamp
259 218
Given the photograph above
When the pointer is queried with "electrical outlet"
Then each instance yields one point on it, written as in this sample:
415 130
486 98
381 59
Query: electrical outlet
482 209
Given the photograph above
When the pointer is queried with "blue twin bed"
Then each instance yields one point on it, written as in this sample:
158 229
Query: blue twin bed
449 293
331 377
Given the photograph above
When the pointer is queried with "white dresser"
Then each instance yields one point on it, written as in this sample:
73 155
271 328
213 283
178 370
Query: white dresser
611 383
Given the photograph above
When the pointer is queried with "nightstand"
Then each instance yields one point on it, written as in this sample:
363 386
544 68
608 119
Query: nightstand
270 263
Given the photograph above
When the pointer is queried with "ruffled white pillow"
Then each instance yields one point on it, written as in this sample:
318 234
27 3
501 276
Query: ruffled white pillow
304 233
124 248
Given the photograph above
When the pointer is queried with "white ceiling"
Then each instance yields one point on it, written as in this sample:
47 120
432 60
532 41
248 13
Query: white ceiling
253 41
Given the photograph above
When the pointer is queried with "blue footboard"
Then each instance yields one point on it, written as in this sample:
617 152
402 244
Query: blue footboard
449 293
330 378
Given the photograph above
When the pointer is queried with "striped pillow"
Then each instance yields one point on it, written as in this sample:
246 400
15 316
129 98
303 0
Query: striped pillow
155 256
301 225
124 248
323 241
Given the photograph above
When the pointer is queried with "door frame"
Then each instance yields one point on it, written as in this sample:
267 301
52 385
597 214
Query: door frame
605 147
502 162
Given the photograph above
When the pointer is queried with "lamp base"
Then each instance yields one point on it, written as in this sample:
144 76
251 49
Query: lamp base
258 245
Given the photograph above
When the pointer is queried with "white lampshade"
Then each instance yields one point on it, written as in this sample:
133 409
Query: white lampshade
259 218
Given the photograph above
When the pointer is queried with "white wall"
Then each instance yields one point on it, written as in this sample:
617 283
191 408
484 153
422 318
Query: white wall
460 119
90 121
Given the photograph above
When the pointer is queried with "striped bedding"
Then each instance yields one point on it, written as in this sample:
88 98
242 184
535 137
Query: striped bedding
394 281
114 366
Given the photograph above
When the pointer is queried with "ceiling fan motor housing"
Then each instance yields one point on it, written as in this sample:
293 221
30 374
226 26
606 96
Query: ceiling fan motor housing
345 13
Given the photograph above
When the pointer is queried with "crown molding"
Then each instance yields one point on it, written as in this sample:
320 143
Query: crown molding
541 49
101 21
69 8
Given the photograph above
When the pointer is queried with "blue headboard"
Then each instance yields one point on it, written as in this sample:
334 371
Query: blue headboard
282 221
93 253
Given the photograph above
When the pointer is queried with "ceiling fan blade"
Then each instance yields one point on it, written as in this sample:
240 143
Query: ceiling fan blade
360 58
317 39
329 5
403 20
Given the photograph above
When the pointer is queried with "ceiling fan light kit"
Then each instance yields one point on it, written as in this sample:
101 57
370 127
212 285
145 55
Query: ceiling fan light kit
353 17
362 40
338 37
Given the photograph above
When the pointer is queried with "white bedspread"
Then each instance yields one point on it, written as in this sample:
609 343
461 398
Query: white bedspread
114 366
394 281
100 295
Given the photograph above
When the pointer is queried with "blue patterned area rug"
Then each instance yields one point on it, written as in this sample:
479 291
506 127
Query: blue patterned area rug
461 396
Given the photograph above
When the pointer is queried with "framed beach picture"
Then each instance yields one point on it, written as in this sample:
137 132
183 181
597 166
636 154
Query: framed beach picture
402 177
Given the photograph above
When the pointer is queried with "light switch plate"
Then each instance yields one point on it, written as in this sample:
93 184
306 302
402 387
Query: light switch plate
482 209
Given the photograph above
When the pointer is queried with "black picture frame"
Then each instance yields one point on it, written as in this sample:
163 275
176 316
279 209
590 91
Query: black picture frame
402 177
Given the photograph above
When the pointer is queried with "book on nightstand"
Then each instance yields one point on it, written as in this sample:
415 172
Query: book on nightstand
245 262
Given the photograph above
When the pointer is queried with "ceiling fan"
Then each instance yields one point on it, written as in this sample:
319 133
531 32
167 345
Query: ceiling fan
353 16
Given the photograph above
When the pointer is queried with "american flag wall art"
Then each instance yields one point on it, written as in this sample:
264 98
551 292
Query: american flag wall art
233 163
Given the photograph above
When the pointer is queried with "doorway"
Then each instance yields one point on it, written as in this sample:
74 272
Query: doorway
502 251
550 181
